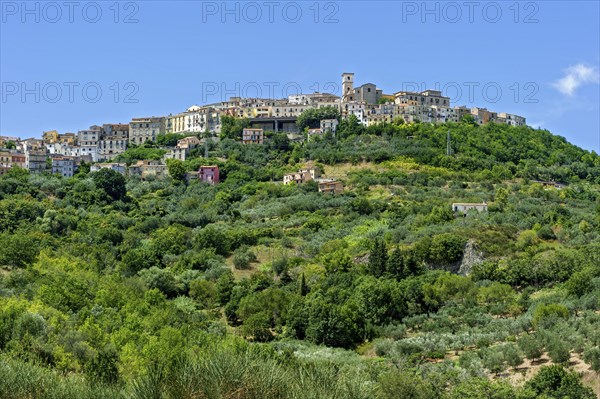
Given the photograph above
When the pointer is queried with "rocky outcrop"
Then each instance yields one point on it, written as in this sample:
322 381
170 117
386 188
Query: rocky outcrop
471 257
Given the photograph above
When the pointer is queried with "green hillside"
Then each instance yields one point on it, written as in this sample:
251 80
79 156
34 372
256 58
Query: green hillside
122 288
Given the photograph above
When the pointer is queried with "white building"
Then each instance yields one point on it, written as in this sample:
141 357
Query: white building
465 207
298 99
511 119
64 166
357 109
196 120
444 114
329 125
88 141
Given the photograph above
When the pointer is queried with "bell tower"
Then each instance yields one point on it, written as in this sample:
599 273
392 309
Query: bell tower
347 87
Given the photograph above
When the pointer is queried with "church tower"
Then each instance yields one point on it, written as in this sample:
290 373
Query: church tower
347 87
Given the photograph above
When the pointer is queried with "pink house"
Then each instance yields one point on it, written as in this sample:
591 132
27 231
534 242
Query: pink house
209 174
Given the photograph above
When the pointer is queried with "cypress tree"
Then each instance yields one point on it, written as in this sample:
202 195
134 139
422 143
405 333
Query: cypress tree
378 258
302 288
395 265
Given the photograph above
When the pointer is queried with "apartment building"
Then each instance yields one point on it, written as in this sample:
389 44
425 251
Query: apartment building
13 158
426 98
252 136
356 108
444 114
141 130
64 166
18 159
88 141
113 140
195 120
35 161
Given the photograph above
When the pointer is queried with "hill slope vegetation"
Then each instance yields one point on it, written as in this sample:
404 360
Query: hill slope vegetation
113 287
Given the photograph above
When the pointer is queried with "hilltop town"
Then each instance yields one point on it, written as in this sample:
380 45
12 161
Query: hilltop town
62 154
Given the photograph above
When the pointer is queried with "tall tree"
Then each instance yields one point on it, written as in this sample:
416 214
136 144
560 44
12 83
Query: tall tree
176 169
311 118
378 258
395 264
302 288
112 182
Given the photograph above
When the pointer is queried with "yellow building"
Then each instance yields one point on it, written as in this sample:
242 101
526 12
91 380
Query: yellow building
377 119
67 138
262 112
331 186
177 123
50 137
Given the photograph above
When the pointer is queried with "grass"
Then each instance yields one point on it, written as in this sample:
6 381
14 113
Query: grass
19 380
340 171
252 373
264 256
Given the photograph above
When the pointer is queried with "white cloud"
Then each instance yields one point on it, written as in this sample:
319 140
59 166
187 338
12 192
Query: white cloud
576 75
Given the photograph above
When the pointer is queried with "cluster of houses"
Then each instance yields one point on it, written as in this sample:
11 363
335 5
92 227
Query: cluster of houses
156 170
100 144
313 173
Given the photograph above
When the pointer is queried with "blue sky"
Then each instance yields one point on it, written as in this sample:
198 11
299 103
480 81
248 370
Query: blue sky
536 59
